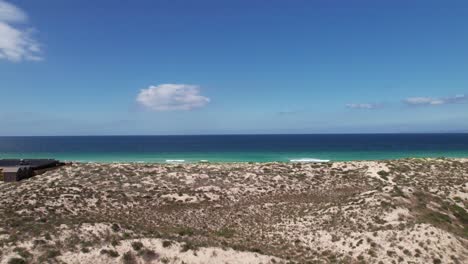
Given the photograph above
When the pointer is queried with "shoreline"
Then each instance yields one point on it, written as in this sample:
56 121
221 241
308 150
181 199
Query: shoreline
184 160
264 162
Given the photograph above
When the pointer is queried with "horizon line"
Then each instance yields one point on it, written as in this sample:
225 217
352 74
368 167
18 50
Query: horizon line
239 134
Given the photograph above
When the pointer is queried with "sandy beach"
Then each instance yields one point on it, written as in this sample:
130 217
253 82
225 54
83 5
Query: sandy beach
395 211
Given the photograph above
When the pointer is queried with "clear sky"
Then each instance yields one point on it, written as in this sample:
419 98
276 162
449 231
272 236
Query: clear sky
225 67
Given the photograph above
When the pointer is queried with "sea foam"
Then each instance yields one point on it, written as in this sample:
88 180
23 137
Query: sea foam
175 161
309 160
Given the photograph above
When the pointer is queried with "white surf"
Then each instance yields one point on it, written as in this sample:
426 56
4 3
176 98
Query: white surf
175 161
309 160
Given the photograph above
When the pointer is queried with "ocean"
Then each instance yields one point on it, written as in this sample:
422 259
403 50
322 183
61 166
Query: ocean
235 148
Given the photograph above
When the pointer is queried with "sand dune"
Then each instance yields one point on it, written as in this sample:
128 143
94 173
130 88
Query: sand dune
399 211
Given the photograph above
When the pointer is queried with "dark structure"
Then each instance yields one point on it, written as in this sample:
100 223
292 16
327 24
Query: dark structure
18 169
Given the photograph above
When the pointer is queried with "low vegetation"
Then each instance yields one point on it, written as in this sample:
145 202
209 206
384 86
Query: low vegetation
396 211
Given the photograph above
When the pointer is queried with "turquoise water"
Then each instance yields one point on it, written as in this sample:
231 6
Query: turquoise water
232 157
236 148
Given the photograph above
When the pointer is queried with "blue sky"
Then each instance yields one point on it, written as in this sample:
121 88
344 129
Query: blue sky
227 67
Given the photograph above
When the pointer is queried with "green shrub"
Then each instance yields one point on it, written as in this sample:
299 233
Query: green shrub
129 258
17 261
110 253
225 232
53 253
23 252
167 243
137 245
188 246
148 255
460 213
115 242
115 227
437 218
397 192
186 231
383 174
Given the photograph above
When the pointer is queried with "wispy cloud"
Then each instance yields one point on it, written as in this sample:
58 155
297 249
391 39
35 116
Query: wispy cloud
363 106
171 97
458 99
16 41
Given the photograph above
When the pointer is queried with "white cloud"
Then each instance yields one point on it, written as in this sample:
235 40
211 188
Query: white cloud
362 106
10 13
171 97
436 101
16 43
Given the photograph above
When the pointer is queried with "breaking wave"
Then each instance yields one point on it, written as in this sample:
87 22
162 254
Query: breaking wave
308 160
175 161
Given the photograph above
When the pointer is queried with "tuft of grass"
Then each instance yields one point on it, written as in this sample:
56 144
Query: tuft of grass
225 232
386 204
23 252
137 245
48 255
459 213
110 253
17 261
188 246
85 250
383 174
407 252
129 258
47 236
115 227
148 255
115 242
256 250
437 218
186 231
397 192
167 243
53 253
402 168
335 238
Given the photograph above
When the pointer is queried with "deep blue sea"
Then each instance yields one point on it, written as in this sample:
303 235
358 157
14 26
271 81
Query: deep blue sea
236 148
